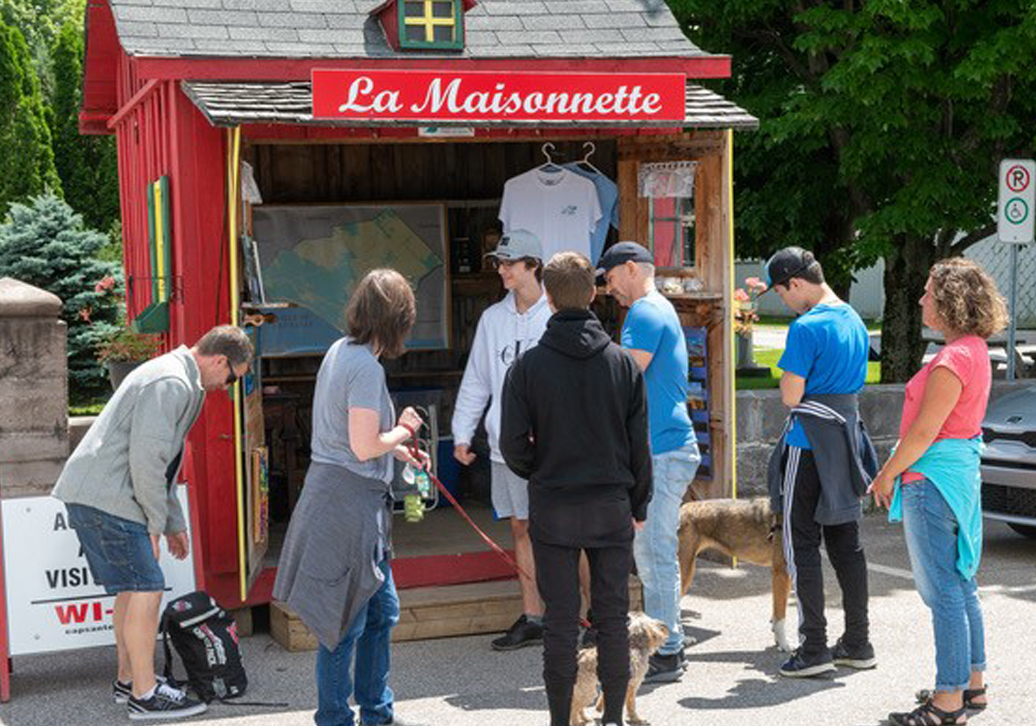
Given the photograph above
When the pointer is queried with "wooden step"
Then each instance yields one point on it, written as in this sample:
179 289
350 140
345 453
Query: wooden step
432 612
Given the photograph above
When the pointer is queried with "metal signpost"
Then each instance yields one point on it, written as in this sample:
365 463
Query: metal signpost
1015 207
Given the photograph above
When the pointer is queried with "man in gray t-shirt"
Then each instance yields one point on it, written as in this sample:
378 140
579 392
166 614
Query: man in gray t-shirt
358 369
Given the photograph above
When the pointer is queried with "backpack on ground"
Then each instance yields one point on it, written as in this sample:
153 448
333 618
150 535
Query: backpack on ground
205 637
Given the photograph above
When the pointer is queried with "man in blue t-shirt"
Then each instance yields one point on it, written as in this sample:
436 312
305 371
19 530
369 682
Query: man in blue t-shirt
654 337
825 360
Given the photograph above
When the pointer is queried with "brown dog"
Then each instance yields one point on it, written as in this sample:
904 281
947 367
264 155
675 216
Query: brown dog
741 528
646 636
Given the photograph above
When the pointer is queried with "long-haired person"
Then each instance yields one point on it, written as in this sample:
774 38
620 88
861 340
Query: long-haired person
334 568
932 483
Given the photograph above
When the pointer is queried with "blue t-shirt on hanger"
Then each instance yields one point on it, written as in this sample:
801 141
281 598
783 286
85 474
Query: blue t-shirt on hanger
608 199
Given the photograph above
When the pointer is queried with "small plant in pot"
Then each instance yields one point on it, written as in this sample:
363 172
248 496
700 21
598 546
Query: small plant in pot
126 350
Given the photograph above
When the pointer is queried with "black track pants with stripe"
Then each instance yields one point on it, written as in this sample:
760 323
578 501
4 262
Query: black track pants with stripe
802 538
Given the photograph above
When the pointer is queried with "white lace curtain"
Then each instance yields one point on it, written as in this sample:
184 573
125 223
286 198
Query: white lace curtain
667 179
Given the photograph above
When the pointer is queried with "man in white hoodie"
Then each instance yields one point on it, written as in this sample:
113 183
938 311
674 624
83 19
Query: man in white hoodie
505 330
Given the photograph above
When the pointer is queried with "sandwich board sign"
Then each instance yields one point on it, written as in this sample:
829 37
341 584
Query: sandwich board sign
52 602
1017 201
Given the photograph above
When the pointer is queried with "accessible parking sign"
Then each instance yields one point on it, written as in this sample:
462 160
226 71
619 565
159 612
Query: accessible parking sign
1016 201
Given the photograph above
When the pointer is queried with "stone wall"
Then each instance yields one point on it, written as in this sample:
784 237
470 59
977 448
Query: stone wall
33 389
761 416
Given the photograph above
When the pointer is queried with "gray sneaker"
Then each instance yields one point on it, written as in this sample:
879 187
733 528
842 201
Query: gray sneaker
121 692
165 703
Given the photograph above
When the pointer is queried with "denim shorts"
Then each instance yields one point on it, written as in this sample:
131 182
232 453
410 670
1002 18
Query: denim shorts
118 551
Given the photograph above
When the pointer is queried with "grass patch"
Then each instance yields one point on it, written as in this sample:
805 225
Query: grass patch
769 356
781 321
88 409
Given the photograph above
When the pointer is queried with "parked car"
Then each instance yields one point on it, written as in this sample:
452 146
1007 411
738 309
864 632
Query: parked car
1009 461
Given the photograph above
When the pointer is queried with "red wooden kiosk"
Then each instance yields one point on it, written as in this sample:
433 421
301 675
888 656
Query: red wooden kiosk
192 92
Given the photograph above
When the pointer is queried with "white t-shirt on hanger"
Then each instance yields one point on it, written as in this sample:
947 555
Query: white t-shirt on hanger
559 207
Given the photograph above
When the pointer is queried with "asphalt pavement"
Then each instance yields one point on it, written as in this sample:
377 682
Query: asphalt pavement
732 678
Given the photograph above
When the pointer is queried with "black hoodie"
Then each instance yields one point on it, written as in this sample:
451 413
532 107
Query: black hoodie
574 423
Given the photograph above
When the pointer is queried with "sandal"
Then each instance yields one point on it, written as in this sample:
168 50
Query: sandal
920 716
970 694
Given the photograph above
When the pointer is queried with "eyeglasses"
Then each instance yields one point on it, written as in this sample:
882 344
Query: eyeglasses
232 376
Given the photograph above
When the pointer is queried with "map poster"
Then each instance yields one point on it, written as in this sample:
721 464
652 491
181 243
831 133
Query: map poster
312 256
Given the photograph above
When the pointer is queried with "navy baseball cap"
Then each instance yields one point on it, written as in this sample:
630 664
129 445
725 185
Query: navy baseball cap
786 264
621 253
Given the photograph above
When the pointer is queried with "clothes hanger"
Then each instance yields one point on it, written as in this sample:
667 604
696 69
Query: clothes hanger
549 166
589 153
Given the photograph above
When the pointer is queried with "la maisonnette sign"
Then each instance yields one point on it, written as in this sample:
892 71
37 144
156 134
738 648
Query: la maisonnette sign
484 96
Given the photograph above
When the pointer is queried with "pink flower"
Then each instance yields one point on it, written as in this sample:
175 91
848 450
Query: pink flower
741 296
107 283
755 285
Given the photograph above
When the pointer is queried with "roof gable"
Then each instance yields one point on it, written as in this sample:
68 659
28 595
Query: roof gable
346 29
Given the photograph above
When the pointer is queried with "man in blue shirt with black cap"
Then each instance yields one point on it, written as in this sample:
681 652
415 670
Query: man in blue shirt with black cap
654 337
823 462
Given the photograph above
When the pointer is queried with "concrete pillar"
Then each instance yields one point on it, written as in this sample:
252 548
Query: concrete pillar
33 389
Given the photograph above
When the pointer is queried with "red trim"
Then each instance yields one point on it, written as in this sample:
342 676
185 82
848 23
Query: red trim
138 98
94 123
5 665
294 69
298 132
440 570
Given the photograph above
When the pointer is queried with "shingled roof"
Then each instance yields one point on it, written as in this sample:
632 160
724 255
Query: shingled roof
229 104
344 29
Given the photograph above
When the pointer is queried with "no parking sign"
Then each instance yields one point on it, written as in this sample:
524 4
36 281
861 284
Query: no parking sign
1017 201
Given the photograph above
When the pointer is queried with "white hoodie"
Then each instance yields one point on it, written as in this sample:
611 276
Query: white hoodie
502 334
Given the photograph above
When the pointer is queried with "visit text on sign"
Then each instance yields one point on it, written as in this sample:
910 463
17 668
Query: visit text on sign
485 96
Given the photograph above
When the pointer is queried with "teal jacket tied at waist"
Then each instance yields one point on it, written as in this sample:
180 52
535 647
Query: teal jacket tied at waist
952 465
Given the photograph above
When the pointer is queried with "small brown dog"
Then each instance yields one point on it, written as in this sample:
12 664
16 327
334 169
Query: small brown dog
742 528
646 636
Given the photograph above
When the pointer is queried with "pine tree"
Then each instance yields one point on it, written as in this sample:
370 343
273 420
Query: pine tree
45 244
87 165
27 161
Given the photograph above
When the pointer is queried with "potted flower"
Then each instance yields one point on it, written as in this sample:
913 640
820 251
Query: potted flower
746 314
125 350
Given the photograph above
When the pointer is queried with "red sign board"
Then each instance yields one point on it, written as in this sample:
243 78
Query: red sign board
485 96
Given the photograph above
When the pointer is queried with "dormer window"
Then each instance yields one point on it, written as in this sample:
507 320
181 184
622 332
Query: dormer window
433 24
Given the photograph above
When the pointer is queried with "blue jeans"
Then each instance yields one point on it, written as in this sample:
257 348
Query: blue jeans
370 634
655 547
931 536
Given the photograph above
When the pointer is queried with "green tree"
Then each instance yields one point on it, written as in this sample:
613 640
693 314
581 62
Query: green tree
27 161
882 125
45 244
39 21
87 165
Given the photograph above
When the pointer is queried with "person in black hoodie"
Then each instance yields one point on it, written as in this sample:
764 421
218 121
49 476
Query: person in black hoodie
574 423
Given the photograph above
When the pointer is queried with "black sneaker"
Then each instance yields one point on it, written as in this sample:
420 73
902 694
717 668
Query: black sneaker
165 703
121 692
519 635
665 668
802 666
862 657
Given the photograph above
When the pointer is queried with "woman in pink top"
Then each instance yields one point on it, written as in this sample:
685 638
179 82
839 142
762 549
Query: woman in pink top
938 497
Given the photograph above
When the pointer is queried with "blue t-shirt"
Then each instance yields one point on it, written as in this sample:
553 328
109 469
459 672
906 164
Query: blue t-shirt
828 346
653 326
608 199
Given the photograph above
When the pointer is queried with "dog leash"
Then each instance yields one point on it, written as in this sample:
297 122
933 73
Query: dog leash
414 450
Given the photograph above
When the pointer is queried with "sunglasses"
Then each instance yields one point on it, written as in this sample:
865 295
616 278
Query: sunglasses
232 377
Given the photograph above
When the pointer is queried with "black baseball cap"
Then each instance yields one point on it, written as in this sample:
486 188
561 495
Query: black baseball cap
622 252
786 264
